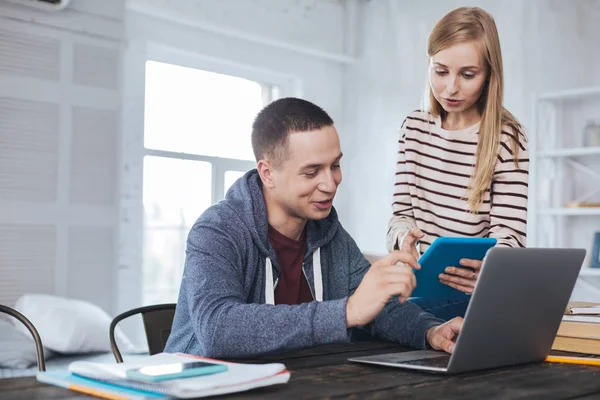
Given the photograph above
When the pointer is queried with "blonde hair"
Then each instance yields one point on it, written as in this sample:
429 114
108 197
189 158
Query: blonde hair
472 24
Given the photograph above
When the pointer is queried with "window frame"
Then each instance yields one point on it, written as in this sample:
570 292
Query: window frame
285 84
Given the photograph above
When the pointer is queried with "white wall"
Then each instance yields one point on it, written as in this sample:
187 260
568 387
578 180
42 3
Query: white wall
547 45
316 25
59 211
301 45
59 126
67 77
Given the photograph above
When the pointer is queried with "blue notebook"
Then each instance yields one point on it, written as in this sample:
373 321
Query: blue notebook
446 252
67 380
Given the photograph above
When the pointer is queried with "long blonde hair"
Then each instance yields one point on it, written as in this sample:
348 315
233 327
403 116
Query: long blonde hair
472 24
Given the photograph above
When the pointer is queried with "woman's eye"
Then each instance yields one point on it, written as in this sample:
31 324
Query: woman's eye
469 76
441 73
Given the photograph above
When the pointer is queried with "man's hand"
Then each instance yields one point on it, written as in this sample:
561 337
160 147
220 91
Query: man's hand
443 337
382 281
408 242
462 279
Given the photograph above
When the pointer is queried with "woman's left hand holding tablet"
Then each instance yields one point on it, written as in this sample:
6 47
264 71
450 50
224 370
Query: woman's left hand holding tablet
462 278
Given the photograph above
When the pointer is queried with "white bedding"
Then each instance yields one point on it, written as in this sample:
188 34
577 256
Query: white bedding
62 362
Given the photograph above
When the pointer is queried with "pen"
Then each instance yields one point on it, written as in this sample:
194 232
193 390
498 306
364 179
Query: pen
574 360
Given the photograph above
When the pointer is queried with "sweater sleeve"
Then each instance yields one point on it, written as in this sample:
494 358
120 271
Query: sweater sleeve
403 323
508 214
402 213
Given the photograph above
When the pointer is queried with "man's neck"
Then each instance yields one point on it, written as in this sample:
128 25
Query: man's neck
281 221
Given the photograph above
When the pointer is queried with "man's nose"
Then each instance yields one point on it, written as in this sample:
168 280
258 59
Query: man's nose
327 183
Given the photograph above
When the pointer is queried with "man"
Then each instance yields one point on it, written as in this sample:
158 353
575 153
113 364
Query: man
270 268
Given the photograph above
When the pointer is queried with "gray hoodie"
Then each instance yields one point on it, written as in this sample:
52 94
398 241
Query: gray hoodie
225 306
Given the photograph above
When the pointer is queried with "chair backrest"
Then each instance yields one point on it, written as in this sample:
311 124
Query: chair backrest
158 320
36 337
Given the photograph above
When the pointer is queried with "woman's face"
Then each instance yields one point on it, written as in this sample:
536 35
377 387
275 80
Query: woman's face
457 76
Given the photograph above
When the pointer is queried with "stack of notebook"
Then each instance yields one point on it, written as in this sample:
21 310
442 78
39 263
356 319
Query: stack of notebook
110 381
579 331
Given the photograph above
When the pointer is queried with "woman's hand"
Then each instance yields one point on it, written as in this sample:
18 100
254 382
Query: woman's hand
408 242
462 279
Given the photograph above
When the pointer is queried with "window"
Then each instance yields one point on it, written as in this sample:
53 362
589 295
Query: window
197 143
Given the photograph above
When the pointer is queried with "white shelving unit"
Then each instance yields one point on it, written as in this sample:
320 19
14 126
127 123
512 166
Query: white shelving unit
569 211
590 272
573 152
563 171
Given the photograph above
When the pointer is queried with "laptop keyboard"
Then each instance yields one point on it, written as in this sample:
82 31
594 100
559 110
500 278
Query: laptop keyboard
438 362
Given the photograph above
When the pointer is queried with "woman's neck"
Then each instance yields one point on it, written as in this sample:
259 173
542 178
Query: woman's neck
461 120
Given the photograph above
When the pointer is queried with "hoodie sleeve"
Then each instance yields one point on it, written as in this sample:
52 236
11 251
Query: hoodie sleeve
225 325
403 323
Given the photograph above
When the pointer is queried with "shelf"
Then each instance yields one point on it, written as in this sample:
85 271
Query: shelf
570 211
571 94
571 152
590 272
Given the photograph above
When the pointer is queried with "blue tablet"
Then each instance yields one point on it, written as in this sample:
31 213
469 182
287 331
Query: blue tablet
446 252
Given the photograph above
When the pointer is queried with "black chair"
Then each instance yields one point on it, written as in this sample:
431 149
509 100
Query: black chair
157 324
39 348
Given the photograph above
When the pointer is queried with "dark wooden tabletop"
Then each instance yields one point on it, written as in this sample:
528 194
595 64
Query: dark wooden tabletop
324 372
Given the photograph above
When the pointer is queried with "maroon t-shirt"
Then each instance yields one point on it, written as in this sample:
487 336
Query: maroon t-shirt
292 287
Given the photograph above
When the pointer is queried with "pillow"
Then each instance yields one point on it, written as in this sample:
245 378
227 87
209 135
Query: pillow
17 351
69 325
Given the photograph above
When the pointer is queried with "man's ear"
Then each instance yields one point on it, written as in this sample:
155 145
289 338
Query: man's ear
265 170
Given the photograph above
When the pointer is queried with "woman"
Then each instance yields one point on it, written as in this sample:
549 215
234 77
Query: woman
463 163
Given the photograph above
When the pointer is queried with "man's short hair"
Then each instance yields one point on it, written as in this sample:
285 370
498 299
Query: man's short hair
275 122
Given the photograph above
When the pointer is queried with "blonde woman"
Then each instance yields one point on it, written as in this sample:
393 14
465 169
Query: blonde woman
462 163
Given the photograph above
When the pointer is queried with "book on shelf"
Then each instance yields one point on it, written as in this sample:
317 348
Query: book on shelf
580 204
110 380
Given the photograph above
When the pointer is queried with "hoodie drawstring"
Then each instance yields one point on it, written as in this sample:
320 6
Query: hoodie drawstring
269 287
317 278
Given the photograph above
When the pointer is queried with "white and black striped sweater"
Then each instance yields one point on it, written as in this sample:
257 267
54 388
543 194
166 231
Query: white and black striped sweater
433 172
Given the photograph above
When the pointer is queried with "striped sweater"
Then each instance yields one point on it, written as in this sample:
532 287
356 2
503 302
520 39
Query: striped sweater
433 172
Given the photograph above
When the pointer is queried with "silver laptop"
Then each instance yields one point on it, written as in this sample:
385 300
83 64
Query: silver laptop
513 315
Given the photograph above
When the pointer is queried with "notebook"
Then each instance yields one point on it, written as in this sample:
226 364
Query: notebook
578 333
576 345
583 330
583 308
110 381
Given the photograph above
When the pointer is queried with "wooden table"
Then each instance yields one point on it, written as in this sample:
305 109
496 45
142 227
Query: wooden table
324 372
